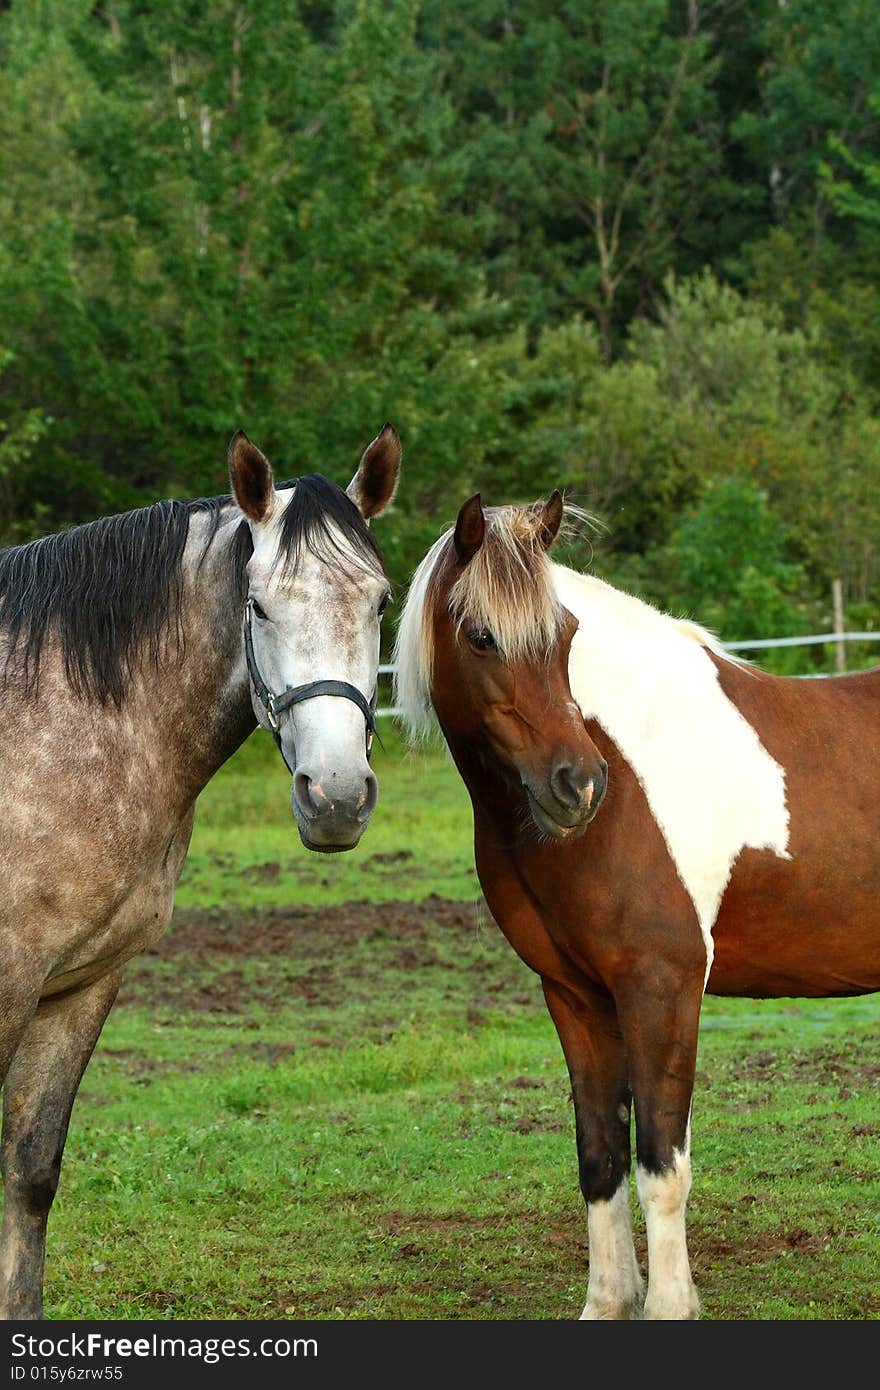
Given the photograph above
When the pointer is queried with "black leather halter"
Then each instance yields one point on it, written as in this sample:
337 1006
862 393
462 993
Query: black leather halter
276 705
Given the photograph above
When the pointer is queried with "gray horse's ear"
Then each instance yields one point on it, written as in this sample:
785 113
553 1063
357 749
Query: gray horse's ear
549 519
470 529
251 477
373 486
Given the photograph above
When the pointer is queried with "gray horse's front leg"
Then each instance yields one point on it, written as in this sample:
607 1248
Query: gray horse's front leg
39 1091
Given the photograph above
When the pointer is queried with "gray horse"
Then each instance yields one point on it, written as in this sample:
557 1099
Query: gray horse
136 652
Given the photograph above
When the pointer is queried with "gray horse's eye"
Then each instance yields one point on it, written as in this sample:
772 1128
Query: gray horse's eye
259 612
383 603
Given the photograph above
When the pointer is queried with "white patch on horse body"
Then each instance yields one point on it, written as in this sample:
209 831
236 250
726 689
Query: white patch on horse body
615 1287
649 681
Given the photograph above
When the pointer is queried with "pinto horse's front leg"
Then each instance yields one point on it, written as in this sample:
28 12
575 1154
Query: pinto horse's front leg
588 1030
659 1014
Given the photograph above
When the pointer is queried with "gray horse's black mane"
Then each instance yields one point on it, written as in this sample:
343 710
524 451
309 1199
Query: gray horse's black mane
112 589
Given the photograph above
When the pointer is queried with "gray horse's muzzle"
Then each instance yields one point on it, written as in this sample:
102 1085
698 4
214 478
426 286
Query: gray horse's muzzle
331 812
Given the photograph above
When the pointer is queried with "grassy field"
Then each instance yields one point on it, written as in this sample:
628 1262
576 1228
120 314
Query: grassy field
334 1092
246 852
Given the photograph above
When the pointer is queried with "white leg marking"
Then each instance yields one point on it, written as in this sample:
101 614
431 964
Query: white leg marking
671 1292
615 1288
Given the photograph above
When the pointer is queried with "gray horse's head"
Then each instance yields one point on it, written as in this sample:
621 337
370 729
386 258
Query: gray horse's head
316 593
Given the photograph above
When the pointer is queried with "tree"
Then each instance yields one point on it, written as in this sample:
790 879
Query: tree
859 195
727 564
592 139
819 73
215 217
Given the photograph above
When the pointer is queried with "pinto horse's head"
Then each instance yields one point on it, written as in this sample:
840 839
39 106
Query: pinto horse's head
485 642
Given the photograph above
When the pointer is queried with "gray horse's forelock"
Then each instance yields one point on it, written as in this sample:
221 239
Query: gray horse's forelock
322 519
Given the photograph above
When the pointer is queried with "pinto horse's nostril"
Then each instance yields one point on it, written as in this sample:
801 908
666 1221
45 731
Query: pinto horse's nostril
577 788
569 786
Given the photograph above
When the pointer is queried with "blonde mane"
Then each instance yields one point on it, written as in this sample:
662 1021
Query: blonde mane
701 635
507 587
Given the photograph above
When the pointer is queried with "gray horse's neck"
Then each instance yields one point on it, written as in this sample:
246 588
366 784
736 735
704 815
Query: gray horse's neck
100 797
178 722
201 699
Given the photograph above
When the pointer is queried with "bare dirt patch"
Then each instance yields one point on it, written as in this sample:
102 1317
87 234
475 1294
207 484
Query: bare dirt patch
214 962
203 936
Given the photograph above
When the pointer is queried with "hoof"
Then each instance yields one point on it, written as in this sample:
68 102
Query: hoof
666 1310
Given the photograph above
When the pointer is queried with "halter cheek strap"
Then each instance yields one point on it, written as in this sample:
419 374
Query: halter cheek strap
276 705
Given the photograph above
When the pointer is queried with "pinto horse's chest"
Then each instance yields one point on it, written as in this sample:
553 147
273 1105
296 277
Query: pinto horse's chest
707 782
690 787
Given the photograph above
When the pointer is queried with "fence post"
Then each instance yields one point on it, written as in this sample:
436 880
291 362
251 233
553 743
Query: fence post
837 594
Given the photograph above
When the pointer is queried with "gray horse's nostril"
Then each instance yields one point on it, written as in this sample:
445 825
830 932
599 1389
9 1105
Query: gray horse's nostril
309 794
369 797
313 800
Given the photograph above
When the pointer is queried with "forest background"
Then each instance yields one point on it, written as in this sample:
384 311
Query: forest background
628 248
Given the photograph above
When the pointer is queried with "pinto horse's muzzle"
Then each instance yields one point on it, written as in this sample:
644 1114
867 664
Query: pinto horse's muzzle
565 803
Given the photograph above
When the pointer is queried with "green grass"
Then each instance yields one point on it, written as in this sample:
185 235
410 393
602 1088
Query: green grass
246 851
366 1114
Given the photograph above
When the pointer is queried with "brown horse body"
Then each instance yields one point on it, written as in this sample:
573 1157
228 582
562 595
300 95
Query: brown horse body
809 926
735 849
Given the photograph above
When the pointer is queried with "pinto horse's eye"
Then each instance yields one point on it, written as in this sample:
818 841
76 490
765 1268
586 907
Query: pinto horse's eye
481 639
259 612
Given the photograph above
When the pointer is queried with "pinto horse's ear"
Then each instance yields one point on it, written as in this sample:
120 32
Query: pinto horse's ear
373 486
470 529
549 519
251 477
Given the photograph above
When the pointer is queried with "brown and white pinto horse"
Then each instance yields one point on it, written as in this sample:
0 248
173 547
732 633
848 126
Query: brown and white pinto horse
732 844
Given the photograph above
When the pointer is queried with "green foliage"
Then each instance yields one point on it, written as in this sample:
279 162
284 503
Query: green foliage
858 197
717 405
19 436
816 85
269 255
725 560
592 139
625 250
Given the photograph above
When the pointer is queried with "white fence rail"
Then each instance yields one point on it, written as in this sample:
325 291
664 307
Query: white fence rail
755 644
811 641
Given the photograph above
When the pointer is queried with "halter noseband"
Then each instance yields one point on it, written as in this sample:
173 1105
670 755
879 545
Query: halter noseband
276 705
